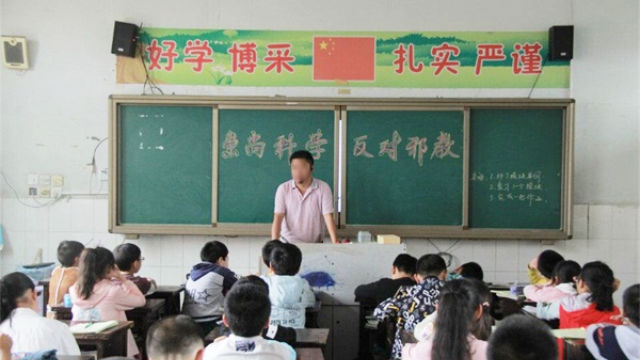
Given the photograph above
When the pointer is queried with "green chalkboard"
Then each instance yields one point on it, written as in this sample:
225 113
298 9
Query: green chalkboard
250 165
410 188
516 168
164 164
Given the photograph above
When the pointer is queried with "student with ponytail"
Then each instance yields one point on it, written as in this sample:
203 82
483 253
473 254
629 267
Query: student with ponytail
102 293
593 302
21 320
461 306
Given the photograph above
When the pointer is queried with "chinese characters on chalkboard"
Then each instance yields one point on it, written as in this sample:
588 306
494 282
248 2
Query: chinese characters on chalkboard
525 187
416 147
283 146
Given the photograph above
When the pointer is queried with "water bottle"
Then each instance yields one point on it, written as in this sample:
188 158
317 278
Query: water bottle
66 301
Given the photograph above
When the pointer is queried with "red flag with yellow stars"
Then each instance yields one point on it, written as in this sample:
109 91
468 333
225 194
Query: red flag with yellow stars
344 58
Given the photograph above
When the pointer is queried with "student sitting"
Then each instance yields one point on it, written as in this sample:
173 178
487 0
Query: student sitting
522 337
273 332
411 305
129 260
246 313
290 294
266 251
470 270
66 274
174 338
206 286
402 272
540 269
20 320
480 327
102 293
561 286
618 342
592 304
460 306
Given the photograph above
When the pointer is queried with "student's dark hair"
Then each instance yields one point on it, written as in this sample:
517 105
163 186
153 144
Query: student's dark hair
267 248
247 308
214 250
68 251
13 287
547 261
171 336
522 337
566 270
302 154
253 280
457 304
95 264
482 328
599 278
472 270
286 259
631 304
405 263
125 255
430 265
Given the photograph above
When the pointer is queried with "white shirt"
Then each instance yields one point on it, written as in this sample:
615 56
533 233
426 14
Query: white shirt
31 332
572 303
236 347
290 296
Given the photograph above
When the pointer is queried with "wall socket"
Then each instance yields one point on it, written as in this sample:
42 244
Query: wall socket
45 186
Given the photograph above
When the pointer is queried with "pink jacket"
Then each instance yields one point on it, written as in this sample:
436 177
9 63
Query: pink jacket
548 293
108 301
422 350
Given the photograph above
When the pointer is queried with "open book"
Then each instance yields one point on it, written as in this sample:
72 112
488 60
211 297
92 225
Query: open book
93 328
576 333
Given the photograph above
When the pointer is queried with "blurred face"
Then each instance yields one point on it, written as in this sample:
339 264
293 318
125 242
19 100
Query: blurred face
135 267
300 170
581 286
223 261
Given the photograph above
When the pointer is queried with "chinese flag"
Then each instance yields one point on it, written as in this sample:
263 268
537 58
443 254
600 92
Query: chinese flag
344 58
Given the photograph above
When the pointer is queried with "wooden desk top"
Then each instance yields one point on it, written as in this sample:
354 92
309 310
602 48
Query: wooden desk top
74 357
168 289
312 337
309 353
150 306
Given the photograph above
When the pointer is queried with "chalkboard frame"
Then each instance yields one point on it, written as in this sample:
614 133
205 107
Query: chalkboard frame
342 106
397 229
464 231
261 229
216 104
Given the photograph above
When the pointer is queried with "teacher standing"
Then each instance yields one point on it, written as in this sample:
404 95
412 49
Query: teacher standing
303 205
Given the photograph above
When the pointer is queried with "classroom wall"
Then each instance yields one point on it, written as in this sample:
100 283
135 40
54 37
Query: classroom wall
49 113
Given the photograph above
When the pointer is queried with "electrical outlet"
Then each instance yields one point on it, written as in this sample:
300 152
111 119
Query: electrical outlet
44 179
32 180
44 191
57 180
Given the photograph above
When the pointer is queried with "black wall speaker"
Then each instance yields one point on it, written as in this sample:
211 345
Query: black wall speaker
561 42
125 38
